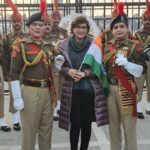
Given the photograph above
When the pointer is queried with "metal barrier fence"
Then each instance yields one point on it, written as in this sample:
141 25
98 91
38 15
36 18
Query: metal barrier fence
100 12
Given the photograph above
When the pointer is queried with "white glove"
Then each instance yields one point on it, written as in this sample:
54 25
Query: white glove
121 60
59 61
134 69
16 93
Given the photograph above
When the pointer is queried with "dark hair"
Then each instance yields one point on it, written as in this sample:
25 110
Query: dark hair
80 20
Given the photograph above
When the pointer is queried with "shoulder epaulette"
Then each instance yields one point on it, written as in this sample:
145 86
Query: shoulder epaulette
5 36
135 42
110 42
15 48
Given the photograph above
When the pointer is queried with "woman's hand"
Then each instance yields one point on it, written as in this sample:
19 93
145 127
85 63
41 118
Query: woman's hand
72 73
76 74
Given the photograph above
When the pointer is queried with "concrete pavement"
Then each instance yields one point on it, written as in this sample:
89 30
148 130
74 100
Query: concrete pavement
99 138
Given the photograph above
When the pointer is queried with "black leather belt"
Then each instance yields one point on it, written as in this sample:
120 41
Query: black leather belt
45 83
113 81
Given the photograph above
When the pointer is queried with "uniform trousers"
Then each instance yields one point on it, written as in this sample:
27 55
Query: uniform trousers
36 118
116 118
58 79
11 105
1 93
140 83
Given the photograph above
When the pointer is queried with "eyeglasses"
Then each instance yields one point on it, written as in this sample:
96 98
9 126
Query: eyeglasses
81 27
119 26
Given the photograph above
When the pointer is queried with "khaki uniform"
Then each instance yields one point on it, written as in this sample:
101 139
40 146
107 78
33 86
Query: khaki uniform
120 102
144 38
59 35
107 36
32 58
7 42
1 85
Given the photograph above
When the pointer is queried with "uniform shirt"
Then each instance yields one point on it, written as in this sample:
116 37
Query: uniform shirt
7 41
133 49
32 49
1 52
143 36
60 34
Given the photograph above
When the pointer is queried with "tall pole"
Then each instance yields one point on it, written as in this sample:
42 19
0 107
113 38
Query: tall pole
80 6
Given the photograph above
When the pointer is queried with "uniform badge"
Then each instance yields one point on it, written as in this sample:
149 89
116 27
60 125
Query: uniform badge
61 36
123 51
53 43
122 18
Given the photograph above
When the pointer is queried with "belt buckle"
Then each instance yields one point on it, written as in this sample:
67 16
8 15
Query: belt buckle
43 84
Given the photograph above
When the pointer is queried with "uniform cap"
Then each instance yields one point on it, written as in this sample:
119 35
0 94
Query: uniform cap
55 12
40 16
121 17
147 11
34 17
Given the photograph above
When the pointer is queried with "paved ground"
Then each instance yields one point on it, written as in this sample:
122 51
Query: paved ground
99 139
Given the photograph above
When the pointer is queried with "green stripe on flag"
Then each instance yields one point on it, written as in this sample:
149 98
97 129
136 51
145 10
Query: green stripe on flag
95 66
97 70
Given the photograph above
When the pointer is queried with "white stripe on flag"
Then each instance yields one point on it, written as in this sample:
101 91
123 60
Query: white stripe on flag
95 52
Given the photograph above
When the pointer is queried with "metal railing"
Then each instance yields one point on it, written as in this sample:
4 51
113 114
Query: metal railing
100 12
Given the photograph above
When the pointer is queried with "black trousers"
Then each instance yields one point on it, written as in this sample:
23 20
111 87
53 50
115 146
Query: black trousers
81 117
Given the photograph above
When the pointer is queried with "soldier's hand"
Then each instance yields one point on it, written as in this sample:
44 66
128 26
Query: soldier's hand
121 61
59 61
18 103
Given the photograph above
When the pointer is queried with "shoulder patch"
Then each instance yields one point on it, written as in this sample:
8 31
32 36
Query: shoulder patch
136 42
15 48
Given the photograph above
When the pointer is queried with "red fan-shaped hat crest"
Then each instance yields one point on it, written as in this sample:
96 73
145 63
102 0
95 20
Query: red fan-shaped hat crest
15 15
55 12
147 11
43 9
115 10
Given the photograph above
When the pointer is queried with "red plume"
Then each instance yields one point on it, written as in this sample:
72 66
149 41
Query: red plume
43 9
146 13
14 8
115 10
55 7
55 10
148 6
121 8
115 3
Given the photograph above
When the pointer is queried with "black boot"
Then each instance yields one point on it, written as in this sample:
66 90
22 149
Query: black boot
16 126
140 115
5 128
147 112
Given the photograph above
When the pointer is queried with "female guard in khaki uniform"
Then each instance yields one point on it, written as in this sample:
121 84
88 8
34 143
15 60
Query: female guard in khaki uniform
122 63
37 96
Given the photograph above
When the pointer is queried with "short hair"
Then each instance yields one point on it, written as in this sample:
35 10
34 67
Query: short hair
80 20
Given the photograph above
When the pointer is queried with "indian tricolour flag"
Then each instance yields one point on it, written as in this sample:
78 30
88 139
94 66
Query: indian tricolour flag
93 58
